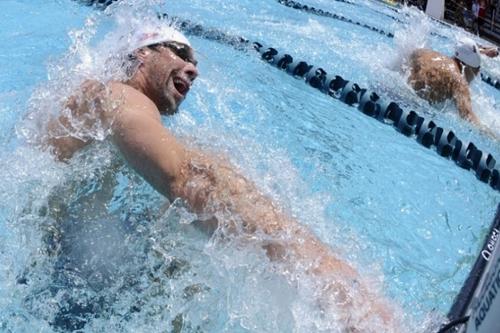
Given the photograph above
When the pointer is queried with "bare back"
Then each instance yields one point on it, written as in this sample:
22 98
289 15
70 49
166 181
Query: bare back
437 78
433 75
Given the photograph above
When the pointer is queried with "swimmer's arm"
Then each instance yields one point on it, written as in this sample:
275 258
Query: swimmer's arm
215 183
463 102
490 51
461 96
64 147
206 183
148 147
158 157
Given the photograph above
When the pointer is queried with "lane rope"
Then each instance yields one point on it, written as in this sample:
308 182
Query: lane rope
320 12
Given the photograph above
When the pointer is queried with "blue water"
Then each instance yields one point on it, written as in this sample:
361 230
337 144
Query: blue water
409 220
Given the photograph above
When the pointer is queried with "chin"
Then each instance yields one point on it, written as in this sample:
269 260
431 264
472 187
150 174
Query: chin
168 111
169 106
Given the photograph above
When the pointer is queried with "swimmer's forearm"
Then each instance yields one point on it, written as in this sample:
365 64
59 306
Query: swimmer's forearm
342 285
464 105
208 184
212 186
490 51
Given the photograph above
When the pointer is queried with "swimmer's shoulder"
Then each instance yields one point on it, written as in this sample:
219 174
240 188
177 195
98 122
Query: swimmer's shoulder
131 100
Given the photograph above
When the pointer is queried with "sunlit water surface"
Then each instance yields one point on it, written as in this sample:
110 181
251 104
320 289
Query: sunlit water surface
408 219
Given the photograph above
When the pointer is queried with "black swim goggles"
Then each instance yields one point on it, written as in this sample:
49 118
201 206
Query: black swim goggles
183 51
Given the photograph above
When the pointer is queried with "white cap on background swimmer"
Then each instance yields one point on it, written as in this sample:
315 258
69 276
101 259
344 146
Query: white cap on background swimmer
149 35
467 52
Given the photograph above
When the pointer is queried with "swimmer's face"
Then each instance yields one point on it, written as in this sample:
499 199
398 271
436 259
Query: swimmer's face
169 70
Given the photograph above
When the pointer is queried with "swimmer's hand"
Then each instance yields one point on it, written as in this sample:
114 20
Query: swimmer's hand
72 130
488 132
491 52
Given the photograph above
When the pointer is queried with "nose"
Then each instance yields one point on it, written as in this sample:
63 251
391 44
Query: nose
191 71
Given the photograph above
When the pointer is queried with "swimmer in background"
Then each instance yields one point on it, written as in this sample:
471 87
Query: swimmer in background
436 77
162 69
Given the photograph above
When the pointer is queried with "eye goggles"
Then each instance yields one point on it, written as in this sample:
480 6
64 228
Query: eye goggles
181 50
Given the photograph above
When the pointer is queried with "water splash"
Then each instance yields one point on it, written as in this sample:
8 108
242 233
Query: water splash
415 35
170 276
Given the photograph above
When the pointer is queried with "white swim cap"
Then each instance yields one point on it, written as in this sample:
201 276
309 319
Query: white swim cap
467 52
151 34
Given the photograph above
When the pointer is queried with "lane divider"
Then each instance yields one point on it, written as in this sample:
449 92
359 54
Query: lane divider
297 5
491 81
98 3
320 12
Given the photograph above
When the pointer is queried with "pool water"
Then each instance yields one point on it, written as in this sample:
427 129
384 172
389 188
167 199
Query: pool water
408 220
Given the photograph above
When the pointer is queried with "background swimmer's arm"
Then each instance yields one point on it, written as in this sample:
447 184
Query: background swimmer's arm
490 51
461 96
463 102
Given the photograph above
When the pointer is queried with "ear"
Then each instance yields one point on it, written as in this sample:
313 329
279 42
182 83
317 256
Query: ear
142 54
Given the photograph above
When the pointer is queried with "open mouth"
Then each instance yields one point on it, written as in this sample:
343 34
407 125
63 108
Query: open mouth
181 86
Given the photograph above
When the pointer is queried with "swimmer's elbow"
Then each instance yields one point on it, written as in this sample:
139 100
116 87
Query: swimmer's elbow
471 117
465 112
64 148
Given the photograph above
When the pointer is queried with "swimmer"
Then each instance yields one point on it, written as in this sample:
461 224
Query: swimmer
162 70
436 77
